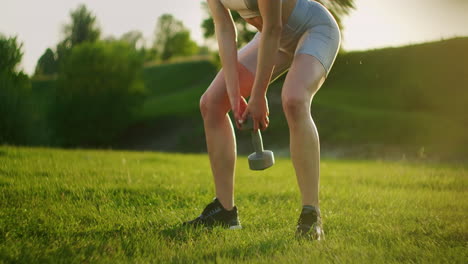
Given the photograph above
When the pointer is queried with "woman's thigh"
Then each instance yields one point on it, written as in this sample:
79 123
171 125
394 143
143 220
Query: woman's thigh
247 67
248 57
315 53
304 79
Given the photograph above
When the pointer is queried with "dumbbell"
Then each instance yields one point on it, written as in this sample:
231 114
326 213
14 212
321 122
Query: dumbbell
261 159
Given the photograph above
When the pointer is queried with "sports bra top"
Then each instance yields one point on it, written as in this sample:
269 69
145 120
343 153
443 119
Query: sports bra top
245 8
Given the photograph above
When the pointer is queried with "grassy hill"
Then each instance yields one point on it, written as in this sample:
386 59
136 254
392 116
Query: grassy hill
87 206
408 97
389 102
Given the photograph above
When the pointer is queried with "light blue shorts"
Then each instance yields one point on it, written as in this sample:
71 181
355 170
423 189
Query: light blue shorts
310 29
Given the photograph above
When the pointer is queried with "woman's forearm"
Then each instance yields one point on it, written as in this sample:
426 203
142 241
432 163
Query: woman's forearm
228 54
269 44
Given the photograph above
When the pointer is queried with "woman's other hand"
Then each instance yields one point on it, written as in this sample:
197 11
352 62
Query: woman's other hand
257 109
238 109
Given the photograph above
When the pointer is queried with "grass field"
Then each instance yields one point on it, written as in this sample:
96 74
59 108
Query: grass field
85 206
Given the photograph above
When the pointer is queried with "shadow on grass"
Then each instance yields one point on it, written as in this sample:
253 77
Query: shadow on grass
4 183
249 249
179 233
239 252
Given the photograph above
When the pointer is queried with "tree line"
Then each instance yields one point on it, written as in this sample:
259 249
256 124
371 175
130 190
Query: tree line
172 39
98 85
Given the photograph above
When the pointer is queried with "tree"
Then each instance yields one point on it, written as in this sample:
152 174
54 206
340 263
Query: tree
136 41
166 27
133 38
172 38
179 45
47 64
100 88
339 8
15 117
245 32
10 54
82 28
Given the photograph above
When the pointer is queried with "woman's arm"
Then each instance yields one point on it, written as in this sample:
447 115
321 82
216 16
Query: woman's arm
270 11
226 35
257 108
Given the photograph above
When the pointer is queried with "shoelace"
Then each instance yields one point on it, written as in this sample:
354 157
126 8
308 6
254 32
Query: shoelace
210 210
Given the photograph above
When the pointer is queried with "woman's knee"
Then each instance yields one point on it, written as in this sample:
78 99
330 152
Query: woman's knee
296 105
298 91
212 105
203 104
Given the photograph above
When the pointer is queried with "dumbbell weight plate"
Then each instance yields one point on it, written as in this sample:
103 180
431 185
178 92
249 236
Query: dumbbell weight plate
261 161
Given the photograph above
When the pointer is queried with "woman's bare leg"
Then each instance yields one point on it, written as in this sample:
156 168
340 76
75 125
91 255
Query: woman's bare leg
219 133
305 77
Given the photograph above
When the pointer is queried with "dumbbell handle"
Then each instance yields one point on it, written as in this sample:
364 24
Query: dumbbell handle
257 141
256 136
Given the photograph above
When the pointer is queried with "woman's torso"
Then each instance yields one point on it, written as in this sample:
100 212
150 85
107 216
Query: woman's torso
248 9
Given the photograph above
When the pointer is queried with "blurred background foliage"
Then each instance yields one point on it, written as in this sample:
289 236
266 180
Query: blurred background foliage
99 90
173 39
15 90
82 28
124 92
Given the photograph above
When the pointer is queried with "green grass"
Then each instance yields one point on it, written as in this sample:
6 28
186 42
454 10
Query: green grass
86 206
182 76
175 89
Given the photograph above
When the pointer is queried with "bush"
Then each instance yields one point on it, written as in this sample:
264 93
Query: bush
15 91
100 88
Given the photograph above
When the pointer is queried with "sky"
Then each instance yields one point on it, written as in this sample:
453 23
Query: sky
374 23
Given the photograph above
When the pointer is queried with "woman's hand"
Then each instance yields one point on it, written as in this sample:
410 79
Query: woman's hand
238 107
257 109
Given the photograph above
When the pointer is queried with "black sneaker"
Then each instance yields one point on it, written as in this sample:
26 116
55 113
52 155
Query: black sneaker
214 214
309 224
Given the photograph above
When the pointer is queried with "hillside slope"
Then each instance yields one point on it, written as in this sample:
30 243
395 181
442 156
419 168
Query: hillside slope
397 100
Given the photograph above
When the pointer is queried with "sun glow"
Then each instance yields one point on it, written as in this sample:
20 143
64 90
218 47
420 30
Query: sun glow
392 23
373 24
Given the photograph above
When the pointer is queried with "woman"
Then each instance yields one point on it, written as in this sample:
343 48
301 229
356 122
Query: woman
304 39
